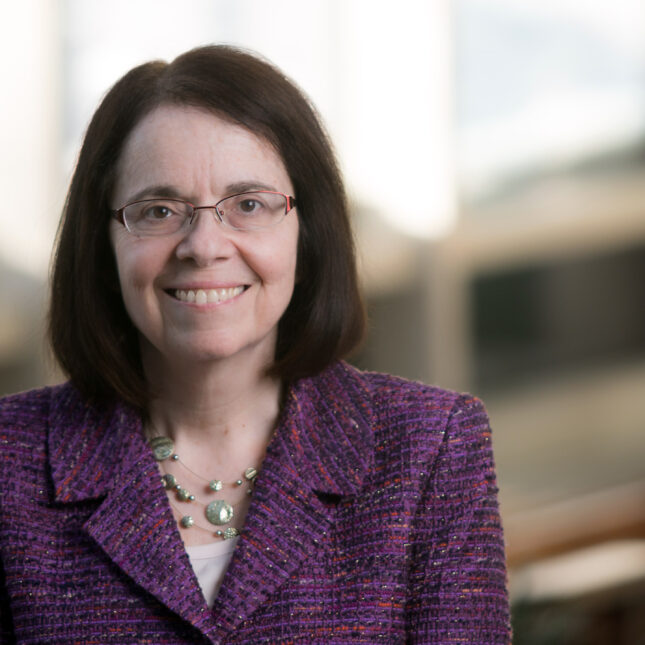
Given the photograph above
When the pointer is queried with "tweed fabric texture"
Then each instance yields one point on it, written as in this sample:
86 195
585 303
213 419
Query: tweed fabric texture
374 520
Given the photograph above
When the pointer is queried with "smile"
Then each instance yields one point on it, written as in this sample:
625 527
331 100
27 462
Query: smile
206 296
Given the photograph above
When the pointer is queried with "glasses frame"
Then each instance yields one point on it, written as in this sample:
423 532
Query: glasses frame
119 213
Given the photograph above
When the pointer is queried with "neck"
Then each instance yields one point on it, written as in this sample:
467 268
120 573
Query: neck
216 411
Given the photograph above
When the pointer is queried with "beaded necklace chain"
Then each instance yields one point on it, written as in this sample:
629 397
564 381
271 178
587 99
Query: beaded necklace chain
218 512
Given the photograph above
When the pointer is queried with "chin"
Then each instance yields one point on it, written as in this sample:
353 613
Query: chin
201 353
210 352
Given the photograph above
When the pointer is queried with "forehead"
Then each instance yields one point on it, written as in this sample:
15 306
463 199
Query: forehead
195 150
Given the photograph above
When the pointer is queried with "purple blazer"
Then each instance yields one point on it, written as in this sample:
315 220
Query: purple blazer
374 520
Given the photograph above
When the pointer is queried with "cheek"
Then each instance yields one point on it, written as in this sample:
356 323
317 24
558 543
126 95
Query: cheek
281 265
135 266
286 257
272 256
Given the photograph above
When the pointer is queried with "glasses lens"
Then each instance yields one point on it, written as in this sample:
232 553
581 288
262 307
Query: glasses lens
156 216
258 209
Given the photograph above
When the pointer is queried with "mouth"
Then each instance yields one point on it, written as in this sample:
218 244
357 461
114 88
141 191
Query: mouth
206 296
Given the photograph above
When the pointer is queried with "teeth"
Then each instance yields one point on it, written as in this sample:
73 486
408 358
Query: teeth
203 296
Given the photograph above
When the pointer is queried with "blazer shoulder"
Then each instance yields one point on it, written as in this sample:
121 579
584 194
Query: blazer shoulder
396 396
29 412
415 414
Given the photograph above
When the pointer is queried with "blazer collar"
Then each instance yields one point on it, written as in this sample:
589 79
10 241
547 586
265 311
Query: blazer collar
320 453
100 453
325 433
89 446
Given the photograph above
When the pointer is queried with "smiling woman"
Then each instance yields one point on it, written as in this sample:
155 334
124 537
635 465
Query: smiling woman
204 159
213 472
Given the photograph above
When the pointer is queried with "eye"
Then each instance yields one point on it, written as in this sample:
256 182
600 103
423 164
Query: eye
249 205
158 211
252 210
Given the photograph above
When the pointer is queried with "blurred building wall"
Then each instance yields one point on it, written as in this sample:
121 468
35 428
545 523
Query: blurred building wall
30 187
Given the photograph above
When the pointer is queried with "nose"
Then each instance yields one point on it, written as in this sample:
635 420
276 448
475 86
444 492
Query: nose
206 240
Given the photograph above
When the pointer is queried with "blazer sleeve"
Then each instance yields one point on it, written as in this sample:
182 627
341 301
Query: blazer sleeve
6 628
457 590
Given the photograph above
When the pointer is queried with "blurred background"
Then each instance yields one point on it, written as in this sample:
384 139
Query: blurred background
494 152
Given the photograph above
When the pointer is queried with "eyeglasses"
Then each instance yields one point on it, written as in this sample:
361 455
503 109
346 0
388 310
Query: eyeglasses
243 212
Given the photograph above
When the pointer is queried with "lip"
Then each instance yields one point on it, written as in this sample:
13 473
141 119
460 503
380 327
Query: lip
203 296
187 286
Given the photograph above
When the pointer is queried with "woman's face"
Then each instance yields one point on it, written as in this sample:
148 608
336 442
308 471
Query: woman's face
196 156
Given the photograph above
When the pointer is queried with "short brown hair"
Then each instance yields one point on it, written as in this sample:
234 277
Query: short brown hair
91 334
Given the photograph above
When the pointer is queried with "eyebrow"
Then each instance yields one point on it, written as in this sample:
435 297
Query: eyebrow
248 186
156 191
170 192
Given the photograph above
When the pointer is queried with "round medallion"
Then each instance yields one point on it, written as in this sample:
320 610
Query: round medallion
187 521
162 447
169 481
219 512
183 495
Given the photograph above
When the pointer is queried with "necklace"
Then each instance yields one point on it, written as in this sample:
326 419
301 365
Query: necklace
218 512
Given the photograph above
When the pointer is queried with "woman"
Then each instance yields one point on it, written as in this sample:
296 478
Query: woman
213 472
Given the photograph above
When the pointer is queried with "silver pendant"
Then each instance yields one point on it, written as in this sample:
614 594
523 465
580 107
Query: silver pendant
162 447
219 512
227 534
169 481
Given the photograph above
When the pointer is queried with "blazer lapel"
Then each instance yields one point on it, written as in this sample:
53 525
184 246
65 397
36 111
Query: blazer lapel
102 454
322 450
319 451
